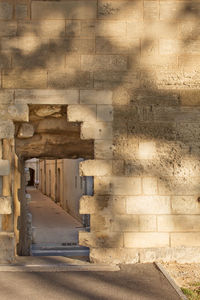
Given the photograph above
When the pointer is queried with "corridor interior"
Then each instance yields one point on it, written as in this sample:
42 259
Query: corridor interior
54 188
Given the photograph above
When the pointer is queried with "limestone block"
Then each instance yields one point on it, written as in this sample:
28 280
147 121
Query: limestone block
100 223
73 28
70 79
4 167
145 240
25 131
186 186
190 97
102 204
47 96
104 113
120 96
49 28
178 223
22 79
117 79
5 205
125 223
149 185
147 223
75 45
114 255
110 28
101 239
180 114
178 254
6 129
97 130
88 28
5 60
117 185
160 29
54 10
8 28
118 167
170 10
151 10
97 167
147 150
103 62
95 97
81 113
188 132
187 239
157 130
103 149
189 63
118 10
168 47
15 112
7 247
21 11
148 205
185 205
6 11
117 45
125 148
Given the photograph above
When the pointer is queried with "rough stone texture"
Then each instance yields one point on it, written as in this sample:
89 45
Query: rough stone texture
25 131
4 167
5 205
129 73
7 247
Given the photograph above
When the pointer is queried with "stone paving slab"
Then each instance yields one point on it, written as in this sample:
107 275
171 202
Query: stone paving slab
138 281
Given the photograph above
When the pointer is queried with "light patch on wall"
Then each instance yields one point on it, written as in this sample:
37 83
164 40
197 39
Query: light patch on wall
147 150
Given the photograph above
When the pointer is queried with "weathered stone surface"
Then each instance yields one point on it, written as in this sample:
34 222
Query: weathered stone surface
49 28
146 240
96 97
103 149
7 243
64 10
185 205
125 223
179 186
16 79
148 205
102 204
97 130
15 112
4 167
110 28
6 11
26 130
179 254
151 10
6 129
70 80
8 29
104 113
103 62
181 223
117 185
47 96
5 205
147 223
21 11
119 10
95 167
101 239
185 239
114 255
81 113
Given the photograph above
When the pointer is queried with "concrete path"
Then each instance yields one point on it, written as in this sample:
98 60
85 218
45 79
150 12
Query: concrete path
139 281
51 224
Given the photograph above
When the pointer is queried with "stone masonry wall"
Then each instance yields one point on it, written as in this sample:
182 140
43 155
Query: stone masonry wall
130 72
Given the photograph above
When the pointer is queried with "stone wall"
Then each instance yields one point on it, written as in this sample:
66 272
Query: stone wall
129 71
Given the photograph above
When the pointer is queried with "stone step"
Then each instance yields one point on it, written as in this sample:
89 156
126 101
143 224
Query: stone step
58 250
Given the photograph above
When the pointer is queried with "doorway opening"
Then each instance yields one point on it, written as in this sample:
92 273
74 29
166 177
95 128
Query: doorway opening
51 185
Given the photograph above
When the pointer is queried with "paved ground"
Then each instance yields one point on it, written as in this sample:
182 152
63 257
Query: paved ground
139 281
51 224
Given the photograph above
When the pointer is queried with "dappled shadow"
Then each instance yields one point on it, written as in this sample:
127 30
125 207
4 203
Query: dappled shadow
148 68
